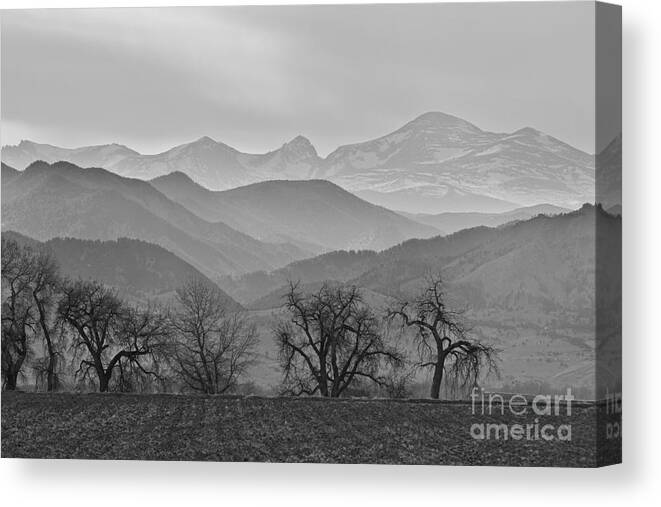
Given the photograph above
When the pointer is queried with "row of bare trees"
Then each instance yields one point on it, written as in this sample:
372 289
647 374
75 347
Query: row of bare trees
84 329
328 341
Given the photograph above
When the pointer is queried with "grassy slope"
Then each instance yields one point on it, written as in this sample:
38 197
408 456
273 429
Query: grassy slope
176 427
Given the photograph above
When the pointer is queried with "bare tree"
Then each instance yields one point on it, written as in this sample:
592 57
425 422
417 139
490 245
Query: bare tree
331 339
109 334
44 287
18 312
214 345
443 341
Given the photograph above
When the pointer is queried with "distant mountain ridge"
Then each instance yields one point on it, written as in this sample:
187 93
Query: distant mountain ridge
545 258
314 214
435 163
453 222
63 200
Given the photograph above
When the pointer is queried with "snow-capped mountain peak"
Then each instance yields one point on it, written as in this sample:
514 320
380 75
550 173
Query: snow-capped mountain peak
434 163
300 148
436 120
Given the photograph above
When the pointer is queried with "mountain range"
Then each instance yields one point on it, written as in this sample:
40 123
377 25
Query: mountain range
545 261
453 222
258 227
528 285
435 163
62 200
314 214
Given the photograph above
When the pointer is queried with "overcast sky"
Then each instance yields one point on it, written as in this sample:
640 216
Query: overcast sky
255 77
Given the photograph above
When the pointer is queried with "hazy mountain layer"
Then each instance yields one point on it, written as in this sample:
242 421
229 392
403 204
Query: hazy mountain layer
313 214
453 222
59 200
433 164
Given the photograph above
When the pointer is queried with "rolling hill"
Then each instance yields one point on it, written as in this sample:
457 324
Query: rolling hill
525 269
60 200
137 269
339 266
313 214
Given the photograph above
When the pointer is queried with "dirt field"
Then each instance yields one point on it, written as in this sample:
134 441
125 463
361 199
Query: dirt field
215 428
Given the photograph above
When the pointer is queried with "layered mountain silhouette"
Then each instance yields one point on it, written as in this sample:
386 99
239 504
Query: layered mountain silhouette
433 164
535 267
453 222
528 287
27 152
60 200
212 164
315 214
137 269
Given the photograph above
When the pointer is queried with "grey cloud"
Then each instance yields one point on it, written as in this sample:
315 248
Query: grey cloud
256 76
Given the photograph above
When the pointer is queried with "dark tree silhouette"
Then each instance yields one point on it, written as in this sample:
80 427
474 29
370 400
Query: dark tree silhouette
44 289
109 334
331 339
19 322
213 344
443 341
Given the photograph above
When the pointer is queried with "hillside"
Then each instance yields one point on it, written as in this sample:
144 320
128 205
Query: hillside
63 200
338 266
136 268
545 260
9 173
541 263
306 213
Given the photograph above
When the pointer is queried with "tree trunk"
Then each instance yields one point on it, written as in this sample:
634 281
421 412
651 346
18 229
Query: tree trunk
11 379
51 379
104 382
438 377
323 377
51 376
